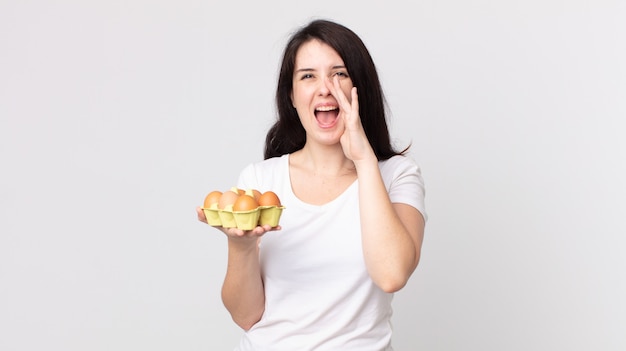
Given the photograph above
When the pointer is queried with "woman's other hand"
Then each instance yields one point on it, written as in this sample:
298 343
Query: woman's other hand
354 142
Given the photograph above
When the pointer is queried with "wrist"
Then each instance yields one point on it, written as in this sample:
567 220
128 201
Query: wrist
244 244
366 163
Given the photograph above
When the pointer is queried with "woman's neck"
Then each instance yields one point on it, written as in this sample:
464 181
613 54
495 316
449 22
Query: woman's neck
323 161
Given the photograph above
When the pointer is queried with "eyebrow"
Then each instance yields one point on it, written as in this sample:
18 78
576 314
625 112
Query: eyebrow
311 69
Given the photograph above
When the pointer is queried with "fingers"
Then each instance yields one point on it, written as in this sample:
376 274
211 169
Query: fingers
254 232
335 90
348 106
200 213
259 230
355 100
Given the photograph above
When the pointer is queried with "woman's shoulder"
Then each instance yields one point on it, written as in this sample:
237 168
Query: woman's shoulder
400 169
270 164
399 163
403 177
261 174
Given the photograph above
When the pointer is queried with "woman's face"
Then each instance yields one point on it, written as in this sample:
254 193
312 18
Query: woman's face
316 66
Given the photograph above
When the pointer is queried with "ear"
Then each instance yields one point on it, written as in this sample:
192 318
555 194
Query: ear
291 98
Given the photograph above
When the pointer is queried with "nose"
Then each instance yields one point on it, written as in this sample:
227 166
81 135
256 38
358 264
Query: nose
323 88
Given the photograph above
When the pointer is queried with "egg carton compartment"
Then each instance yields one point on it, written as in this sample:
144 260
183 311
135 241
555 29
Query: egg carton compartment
247 220
270 215
212 216
227 218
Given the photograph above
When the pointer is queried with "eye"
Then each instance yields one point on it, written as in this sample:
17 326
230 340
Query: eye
306 76
342 74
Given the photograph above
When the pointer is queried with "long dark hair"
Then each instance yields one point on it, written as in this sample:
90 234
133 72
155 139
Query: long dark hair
287 135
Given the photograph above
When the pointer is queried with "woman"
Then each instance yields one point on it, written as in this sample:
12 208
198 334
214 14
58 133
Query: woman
352 230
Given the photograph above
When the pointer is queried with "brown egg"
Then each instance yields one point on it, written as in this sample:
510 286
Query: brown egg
212 198
227 199
269 198
245 203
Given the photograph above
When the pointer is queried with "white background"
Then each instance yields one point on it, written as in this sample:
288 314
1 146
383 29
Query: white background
117 117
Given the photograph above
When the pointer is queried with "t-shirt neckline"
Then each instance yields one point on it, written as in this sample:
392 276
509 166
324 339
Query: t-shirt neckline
302 203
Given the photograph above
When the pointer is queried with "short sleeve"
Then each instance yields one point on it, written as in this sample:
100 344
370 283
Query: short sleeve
270 174
247 178
404 182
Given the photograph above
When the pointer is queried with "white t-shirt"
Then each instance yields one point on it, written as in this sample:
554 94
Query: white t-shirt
318 294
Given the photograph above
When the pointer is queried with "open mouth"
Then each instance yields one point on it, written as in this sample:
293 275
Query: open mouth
326 115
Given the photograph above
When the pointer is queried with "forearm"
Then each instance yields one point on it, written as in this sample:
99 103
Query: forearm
391 253
242 292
